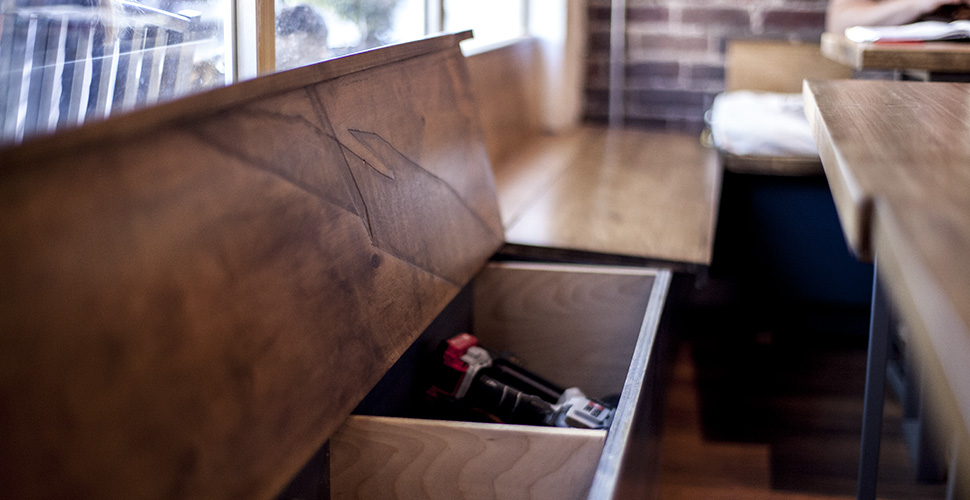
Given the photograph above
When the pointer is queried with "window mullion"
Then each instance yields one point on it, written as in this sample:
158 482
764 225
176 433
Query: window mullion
254 29
266 36
244 39
434 16
526 6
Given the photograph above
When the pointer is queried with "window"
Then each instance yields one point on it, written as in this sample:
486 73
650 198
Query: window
493 21
66 62
308 31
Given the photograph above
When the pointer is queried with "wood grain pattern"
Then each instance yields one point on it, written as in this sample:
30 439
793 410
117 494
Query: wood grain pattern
896 155
853 203
196 295
913 149
613 191
795 166
385 458
605 193
630 456
200 106
575 325
944 57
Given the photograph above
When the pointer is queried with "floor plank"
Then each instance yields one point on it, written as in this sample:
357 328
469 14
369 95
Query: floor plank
809 447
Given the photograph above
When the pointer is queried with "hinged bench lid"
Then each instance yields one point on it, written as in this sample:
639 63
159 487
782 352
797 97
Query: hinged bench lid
196 295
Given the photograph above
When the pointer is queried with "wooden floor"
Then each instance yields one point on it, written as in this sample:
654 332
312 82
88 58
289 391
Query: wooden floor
777 422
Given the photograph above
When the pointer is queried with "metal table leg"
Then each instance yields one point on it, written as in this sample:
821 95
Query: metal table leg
879 323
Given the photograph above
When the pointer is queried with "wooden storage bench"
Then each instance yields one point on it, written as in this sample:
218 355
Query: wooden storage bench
589 191
591 327
196 296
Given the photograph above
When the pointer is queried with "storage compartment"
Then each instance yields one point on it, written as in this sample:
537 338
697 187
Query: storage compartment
592 327
205 333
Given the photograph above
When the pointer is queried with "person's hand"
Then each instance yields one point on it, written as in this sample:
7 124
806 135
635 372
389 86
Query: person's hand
945 10
842 14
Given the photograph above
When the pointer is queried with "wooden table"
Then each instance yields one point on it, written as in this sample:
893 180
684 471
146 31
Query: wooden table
898 161
618 192
931 60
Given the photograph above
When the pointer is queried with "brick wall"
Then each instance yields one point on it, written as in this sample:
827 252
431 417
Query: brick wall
675 53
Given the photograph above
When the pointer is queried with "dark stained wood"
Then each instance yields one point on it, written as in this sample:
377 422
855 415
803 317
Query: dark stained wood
196 106
896 156
944 57
196 295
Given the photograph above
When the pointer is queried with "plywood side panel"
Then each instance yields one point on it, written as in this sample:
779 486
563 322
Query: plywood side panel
576 326
189 310
391 458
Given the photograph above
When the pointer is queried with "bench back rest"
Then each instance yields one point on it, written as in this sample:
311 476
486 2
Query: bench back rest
505 84
196 295
777 65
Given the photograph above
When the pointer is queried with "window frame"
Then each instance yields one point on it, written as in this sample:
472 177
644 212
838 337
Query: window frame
254 33
245 49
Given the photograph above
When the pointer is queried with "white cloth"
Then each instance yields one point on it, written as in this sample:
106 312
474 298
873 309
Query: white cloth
745 122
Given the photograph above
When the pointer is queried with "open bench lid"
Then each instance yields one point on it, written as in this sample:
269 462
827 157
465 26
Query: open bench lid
196 295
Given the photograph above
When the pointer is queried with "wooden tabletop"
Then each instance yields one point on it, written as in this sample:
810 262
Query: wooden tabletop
898 163
941 57
613 191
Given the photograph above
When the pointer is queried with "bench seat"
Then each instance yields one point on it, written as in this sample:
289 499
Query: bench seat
635 193
580 191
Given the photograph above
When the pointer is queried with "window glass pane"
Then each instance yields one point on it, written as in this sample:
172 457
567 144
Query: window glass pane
493 21
313 30
66 62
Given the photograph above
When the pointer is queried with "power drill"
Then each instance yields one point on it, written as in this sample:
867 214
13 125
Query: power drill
478 379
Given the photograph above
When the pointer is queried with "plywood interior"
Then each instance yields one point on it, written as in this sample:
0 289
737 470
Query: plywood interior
392 458
574 325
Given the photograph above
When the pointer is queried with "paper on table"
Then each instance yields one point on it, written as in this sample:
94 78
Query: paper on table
921 31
